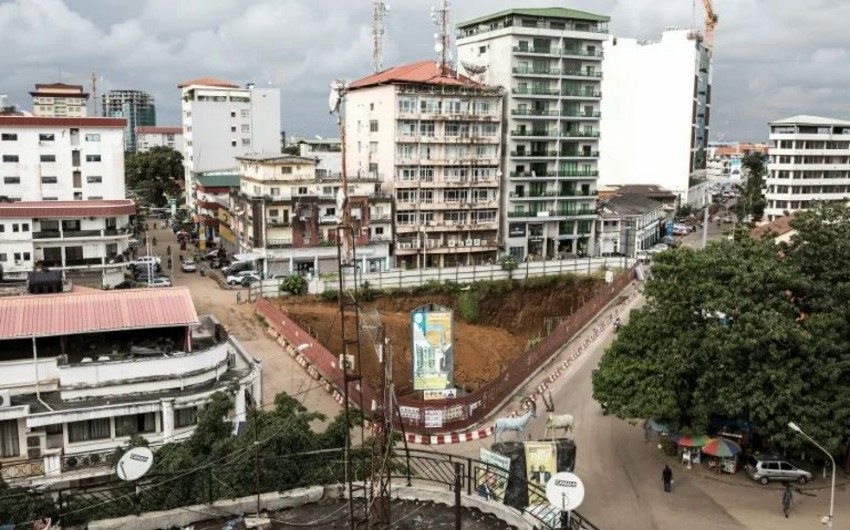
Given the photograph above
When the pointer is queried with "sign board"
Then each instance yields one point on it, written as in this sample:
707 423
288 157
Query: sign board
565 491
434 418
491 479
135 463
411 413
433 347
448 393
454 412
541 463
609 276
516 230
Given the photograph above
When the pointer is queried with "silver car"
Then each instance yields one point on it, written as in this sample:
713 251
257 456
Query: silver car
764 468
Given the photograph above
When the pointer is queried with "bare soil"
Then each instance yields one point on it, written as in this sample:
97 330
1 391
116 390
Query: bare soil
508 321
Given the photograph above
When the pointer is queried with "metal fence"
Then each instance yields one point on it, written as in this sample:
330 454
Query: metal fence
455 414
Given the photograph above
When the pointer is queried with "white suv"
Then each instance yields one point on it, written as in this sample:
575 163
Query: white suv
239 277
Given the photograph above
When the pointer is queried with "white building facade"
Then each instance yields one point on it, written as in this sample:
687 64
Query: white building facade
59 100
656 112
433 139
809 162
549 62
159 136
222 121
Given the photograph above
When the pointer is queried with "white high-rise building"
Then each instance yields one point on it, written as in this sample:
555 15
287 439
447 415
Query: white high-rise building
809 163
549 62
656 112
160 136
222 121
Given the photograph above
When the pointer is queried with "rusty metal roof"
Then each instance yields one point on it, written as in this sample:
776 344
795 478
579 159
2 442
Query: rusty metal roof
74 313
49 121
65 209
422 72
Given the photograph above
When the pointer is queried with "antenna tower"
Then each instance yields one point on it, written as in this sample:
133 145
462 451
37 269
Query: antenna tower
379 11
443 37
94 93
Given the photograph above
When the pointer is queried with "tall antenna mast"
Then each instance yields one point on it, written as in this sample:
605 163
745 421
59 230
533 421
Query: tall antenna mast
94 93
440 17
379 11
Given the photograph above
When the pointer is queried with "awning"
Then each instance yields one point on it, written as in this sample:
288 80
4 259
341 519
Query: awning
82 414
248 256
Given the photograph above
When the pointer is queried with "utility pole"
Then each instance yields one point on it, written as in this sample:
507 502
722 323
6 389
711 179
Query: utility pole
705 217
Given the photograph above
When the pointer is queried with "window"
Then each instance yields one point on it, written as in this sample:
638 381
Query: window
50 198
406 105
92 158
49 180
83 431
233 128
93 137
11 180
273 212
232 113
371 106
94 179
373 125
9 434
9 137
135 423
426 128
3 257
78 195
2 228
275 192
302 191
482 49
373 147
245 113
16 227
246 142
286 170
233 143
46 137
48 158
10 158
25 227
186 417
246 128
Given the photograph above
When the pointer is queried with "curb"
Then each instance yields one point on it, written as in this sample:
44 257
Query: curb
452 438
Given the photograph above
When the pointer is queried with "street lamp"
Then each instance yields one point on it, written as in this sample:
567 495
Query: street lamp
794 427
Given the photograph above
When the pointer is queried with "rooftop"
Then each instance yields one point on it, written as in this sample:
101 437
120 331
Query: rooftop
276 158
57 85
207 81
43 121
159 130
48 315
221 180
810 120
543 12
779 226
65 209
424 72
631 204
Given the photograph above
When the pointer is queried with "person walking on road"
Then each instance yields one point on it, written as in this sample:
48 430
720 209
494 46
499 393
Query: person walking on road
667 478
787 498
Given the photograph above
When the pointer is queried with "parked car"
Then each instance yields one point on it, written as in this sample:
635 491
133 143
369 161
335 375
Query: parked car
248 280
188 266
764 468
236 279
238 266
146 261
127 284
159 281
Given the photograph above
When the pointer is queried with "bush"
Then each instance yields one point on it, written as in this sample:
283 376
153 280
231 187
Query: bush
467 306
329 295
294 284
367 292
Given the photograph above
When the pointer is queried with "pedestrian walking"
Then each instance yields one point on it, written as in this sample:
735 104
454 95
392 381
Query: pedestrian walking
667 478
787 499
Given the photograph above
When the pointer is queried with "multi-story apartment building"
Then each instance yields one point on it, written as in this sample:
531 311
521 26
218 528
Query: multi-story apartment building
58 100
148 137
328 151
656 112
84 370
809 163
135 106
628 224
287 214
433 138
64 178
724 160
222 121
549 61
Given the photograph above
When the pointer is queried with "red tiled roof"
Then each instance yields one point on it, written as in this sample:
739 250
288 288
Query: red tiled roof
64 209
425 72
44 121
48 315
779 226
207 81
159 130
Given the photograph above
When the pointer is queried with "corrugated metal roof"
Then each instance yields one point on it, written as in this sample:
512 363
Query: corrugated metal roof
804 119
543 12
45 121
159 129
65 209
50 315
221 180
207 81
425 72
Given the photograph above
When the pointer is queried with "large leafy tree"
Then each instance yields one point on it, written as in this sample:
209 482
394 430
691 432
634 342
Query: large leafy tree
154 174
751 200
746 329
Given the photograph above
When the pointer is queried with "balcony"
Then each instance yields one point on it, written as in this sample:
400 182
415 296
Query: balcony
74 262
278 243
554 92
574 114
519 70
554 174
522 50
534 112
534 154
578 52
579 154
578 73
579 134
581 94
561 212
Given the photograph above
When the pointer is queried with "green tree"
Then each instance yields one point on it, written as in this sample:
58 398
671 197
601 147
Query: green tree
294 284
744 329
751 201
154 174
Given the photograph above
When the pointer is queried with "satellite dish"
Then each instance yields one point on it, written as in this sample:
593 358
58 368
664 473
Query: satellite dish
134 464
565 491
438 47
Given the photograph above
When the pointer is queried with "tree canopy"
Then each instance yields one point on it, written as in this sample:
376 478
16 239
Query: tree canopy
746 329
751 201
154 174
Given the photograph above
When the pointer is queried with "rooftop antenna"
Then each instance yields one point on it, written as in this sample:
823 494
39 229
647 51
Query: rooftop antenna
442 45
379 11
94 93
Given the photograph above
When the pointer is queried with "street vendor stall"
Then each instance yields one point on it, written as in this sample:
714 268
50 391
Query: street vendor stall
689 447
723 453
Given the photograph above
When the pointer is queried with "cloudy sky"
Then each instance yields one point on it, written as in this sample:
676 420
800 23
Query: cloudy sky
773 58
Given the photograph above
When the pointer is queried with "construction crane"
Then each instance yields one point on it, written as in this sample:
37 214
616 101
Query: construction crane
710 23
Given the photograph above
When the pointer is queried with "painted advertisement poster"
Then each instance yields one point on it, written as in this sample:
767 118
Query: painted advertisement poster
433 348
491 480
540 464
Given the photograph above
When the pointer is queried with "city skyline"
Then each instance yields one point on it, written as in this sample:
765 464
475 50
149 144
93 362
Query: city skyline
767 64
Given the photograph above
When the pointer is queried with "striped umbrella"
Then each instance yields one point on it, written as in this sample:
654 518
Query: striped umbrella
721 447
696 440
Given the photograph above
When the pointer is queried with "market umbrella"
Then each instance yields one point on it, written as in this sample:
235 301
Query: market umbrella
721 447
696 440
658 427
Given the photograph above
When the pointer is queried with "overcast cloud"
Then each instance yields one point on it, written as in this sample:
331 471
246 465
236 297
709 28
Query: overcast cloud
773 58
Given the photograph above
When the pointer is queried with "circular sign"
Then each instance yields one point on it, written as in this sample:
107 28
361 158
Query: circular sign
565 491
135 463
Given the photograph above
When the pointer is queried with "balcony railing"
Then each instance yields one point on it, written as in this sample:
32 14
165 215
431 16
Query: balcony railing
581 94
553 213
557 51
534 154
536 71
47 234
537 91
574 114
582 73
72 262
579 154
581 53
562 173
534 112
81 233
278 243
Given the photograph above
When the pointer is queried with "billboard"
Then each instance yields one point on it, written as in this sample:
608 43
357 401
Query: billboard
491 481
541 463
433 347
735 169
